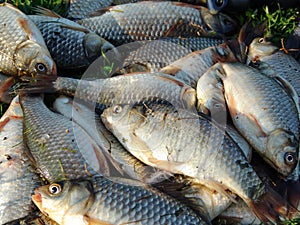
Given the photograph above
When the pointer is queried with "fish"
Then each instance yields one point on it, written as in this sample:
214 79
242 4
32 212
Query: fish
17 177
23 50
125 89
261 110
125 165
177 140
184 189
273 62
71 46
151 56
80 9
276 62
56 146
148 20
100 201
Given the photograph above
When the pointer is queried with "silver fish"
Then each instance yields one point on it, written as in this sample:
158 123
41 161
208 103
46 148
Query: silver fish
17 177
23 50
56 145
104 202
126 89
264 113
152 20
176 140
71 45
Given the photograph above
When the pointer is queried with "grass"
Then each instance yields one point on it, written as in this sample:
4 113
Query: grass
280 22
59 6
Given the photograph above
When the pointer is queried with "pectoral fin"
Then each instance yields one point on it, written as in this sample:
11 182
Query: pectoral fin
92 221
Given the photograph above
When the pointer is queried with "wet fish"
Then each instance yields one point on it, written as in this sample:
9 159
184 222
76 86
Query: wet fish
262 110
104 202
126 89
275 62
17 177
151 56
71 46
125 165
187 190
176 140
56 145
23 50
152 20
80 9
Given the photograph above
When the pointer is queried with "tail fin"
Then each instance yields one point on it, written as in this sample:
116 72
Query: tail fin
38 84
271 207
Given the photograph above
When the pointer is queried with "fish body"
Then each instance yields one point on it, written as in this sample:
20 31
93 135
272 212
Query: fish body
264 113
153 55
106 202
277 62
71 45
17 177
176 140
128 167
55 144
23 50
126 89
152 20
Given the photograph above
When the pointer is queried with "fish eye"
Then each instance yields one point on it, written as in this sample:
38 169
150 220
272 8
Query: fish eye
54 189
40 67
219 3
289 158
117 109
261 40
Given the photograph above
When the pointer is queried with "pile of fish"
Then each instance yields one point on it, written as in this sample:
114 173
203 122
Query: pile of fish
145 113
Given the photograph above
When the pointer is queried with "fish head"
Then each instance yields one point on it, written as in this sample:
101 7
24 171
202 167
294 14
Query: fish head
94 45
282 151
259 47
32 59
220 23
120 116
56 199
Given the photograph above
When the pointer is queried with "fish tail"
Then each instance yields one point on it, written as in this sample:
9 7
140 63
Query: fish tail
38 84
271 207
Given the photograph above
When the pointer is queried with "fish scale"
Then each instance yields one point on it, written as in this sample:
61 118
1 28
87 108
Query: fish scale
128 89
22 45
52 143
68 42
173 134
153 20
109 202
204 152
17 177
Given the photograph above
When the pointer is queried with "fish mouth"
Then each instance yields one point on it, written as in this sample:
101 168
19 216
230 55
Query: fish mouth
37 198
